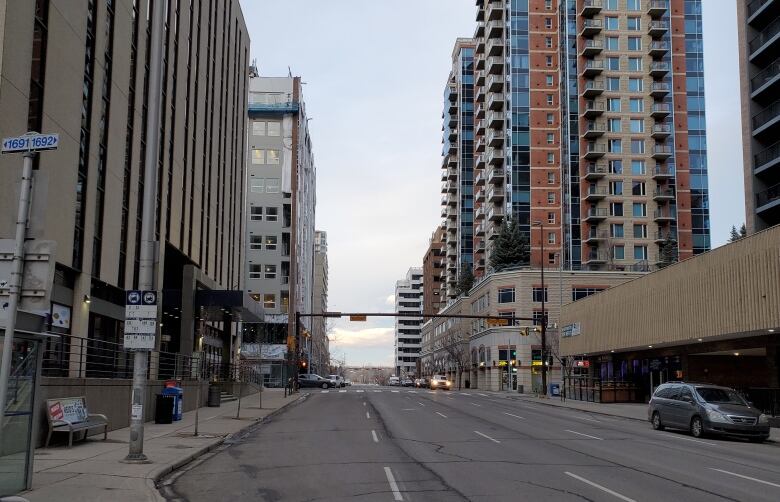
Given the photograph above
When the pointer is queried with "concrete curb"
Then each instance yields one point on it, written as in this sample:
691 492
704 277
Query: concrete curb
595 412
158 474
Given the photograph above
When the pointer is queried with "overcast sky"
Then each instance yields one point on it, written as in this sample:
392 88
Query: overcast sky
375 73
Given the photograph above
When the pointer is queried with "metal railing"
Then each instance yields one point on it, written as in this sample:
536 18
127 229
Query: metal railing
766 34
765 75
767 155
755 5
766 399
766 115
771 194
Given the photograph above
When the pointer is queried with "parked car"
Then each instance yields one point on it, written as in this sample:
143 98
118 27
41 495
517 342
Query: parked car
706 409
348 382
407 382
421 383
338 380
394 381
312 380
440 382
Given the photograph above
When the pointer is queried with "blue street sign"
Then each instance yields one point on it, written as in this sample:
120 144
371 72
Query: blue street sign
31 142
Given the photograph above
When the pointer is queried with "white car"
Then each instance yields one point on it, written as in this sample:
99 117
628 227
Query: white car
440 382
338 380
394 381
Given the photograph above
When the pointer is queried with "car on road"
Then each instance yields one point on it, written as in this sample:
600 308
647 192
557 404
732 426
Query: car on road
706 409
312 380
338 380
440 382
407 382
394 381
421 383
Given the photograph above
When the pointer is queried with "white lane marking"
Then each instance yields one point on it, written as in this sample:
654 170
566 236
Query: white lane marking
377 391
488 437
373 434
409 409
602 488
412 392
694 440
747 477
586 435
586 418
418 402
394 391
475 404
431 392
324 391
393 485
511 415
464 394
361 391
341 391
441 414
368 415
483 395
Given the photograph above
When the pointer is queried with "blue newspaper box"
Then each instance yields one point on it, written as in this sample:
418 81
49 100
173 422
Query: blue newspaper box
178 396
555 389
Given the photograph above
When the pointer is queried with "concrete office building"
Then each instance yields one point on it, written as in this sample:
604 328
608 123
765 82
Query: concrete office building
79 69
590 131
458 164
280 206
408 301
320 351
759 76
434 296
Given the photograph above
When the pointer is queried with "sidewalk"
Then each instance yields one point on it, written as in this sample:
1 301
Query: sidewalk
92 470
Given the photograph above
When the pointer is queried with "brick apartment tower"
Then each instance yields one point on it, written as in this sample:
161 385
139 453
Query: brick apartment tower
433 266
589 122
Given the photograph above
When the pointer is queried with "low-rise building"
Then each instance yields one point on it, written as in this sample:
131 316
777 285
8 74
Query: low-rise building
503 357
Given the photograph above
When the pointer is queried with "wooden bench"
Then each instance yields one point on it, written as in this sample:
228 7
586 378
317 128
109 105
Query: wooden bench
69 414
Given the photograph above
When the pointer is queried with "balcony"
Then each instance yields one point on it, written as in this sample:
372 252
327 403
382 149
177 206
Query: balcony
595 214
592 68
657 29
494 29
594 171
452 226
760 12
660 110
495 47
594 130
496 194
480 49
659 69
594 236
495 65
479 213
452 199
662 152
768 203
658 49
495 83
594 151
452 107
479 161
495 120
766 158
452 120
665 215
660 90
595 257
496 213
480 129
479 264
444 175
479 32
452 148
452 134
766 81
595 193
496 157
660 132
452 265
592 88
479 247
657 8
479 144
590 8
479 179
479 94
480 75
496 175
663 172
766 119
591 48
495 11
449 187
496 101
664 194
479 230
665 235
479 195
444 211
593 109
452 213
591 27
764 46
496 138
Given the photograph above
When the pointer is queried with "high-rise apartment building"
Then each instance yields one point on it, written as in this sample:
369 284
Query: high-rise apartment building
589 131
320 352
458 163
280 204
408 301
759 75
81 69
434 295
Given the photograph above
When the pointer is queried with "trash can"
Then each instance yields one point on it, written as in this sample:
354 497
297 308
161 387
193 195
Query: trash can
555 389
520 388
215 396
178 397
163 410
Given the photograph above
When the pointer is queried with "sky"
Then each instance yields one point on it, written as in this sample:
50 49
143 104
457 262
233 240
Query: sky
375 73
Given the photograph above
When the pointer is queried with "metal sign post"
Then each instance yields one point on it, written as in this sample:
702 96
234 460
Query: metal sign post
29 144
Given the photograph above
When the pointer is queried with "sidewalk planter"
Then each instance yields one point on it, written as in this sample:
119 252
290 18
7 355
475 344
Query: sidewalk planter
215 396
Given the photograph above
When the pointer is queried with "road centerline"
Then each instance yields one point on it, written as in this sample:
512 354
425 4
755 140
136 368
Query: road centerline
393 485
441 414
586 435
487 437
747 477
602 488
374 436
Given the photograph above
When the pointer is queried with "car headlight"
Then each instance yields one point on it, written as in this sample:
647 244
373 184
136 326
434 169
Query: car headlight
449 383
716 416
763 419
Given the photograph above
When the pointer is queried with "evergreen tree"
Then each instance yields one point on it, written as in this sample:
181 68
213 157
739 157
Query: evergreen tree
465 280
742 231
668 253
511 248
733 235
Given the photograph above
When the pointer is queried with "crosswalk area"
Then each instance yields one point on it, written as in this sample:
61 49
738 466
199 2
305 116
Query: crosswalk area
391 391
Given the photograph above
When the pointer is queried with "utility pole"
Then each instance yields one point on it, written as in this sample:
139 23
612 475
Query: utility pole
146 279
544 315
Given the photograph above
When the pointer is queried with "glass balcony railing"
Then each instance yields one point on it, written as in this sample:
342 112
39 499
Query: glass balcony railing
766 115
755 5
767 75
765 36
771 194
766 156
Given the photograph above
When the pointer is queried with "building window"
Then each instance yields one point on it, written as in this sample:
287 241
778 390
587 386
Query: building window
640 231
257 185
637 126
549 61
613 63
258 156
551 197
612 44
551 158
548 42
272 157
269 301
548 4
551 238
255 242
538 317
635 43
613 83
273 185
614 125
611 22
551 258
550 178
258 128
538 294
636 84
634 5
616 188
506 295
634 64
270 271
550 217
637 145
255 271
256 213
611 4
550 99
613 105
550 138
634 24
580 292
640 252
616 230
271 242
616 167
636 105
619 252
616 209
638 188
615 146
550 119
550 80
638 167
548 23
639 209
274 129
271 214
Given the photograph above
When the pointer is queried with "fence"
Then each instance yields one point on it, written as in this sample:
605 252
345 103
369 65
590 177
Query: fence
596 390
765 399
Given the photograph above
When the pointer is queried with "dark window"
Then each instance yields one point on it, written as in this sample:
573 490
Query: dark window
539 295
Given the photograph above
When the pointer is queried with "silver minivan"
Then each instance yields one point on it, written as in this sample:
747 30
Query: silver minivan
706 409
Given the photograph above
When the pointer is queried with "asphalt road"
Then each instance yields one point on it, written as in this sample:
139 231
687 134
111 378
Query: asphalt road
428 446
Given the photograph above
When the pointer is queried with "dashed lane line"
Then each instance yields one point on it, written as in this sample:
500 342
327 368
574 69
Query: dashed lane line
602 488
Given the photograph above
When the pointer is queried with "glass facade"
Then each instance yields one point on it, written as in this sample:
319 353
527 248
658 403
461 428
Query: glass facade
466 157
519 143
570 154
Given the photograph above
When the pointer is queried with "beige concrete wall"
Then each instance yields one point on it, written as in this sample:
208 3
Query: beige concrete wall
731 291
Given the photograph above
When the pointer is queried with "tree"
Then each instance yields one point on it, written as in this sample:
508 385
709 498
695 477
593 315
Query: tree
668 253
512 247
736 235
742 231
465 280
457 349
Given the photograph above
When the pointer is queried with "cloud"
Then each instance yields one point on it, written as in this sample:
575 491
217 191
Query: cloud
390 300
362 338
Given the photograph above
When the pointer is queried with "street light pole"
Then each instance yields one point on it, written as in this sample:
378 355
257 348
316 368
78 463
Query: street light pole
544 315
